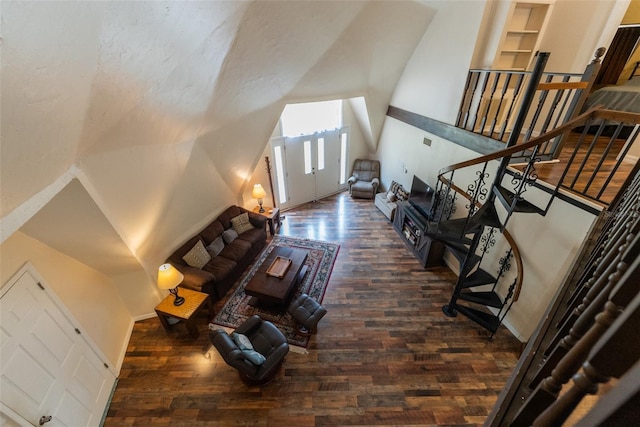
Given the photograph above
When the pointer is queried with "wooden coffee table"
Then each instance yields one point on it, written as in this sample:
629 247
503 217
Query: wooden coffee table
272 291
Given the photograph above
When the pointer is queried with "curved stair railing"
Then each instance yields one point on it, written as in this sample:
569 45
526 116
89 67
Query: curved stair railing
470 238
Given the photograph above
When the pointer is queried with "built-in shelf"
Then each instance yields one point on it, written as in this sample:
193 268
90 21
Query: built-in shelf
523 31
523 27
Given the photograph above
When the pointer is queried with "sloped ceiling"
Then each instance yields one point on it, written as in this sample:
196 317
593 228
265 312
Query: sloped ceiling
151 100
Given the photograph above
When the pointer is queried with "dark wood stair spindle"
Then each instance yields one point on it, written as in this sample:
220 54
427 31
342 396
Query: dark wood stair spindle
604 254
595 284
614 353
548 389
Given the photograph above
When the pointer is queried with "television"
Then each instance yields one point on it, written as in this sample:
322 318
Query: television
421 197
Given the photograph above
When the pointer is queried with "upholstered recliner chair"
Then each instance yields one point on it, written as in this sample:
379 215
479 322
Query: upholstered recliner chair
365 179
266 340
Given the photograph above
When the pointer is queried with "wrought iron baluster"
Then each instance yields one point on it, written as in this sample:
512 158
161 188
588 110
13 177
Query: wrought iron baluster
604 155
630 141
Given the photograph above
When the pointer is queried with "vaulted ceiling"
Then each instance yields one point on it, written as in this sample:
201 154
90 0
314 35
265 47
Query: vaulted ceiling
149 100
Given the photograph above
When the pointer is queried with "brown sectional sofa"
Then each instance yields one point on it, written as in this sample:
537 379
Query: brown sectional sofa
220 273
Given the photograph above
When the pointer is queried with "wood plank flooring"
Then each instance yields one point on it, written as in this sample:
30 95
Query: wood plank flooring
383 355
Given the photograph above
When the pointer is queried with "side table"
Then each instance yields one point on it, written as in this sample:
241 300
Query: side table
273 217
193 300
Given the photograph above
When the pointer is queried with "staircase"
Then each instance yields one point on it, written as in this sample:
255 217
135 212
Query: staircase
487 285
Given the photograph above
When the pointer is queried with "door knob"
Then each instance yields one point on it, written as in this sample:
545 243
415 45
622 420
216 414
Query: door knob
44 420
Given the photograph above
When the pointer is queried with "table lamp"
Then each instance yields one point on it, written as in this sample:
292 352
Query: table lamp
259 193
169 278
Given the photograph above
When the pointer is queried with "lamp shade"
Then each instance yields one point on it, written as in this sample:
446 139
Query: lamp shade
258 192
169 277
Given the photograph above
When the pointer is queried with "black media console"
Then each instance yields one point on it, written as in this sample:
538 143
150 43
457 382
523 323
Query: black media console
411 225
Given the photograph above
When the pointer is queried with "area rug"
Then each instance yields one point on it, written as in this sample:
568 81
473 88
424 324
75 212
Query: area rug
320 260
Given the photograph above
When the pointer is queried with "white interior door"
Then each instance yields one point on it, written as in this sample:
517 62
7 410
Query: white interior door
47 368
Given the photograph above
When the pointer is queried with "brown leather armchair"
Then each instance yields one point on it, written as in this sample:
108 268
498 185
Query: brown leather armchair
265 338
365 179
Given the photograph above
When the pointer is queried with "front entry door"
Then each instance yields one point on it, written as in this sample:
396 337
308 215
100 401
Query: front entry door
313 166
47 367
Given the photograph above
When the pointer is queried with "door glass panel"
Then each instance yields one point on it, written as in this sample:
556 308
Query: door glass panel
280 175
320 154
343 158
307 157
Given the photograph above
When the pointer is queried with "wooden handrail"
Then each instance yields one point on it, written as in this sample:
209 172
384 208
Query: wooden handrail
581 119
562 85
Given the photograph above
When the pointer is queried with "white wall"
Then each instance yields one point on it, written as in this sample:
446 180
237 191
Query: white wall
89 295
434 78
576 29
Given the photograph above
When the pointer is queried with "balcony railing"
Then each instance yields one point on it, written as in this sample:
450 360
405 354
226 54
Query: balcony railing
495 100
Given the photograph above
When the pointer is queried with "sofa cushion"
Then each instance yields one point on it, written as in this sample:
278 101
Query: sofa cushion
198 256
212 232
216 247
241 223
229 235
236 250
221 267
230 212
254 236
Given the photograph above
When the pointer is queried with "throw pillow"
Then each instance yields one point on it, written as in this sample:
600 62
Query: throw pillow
391 197
254 357
394 187
241 223
242 341
216 247
402 193
198 256
229 235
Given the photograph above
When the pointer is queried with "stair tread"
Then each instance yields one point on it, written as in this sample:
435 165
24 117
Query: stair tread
478 278
489 298
460 252
441 232
460 226
506 197
486 320
487 215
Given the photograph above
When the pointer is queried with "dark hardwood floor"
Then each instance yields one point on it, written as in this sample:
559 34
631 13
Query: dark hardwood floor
383 355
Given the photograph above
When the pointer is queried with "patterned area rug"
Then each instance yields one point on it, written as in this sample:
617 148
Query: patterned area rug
320 260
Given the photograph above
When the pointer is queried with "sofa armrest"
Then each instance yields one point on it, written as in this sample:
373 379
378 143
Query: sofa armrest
274 360
194 278
375 182
352 180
